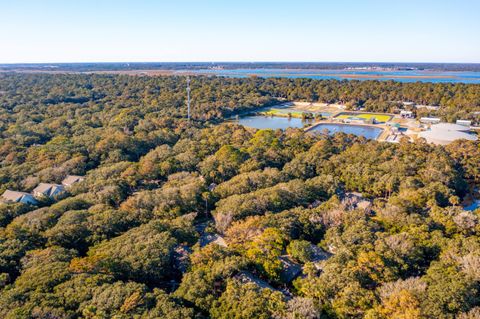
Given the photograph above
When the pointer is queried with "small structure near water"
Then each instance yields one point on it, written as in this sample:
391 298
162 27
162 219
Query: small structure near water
430 120
407 114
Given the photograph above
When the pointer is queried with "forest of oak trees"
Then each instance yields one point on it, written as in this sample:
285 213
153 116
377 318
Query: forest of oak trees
132 240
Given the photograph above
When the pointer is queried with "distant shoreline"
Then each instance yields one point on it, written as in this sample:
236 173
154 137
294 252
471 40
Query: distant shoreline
193 72
340 75
424 76
219 65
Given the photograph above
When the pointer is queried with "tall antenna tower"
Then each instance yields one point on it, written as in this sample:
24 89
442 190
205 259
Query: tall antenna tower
188 97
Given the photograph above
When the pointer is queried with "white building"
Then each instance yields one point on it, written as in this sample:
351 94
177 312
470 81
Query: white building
406 114
464 122
430 120
428 107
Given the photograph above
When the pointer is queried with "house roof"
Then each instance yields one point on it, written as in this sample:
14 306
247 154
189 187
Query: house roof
355 200
290 269
181 257
13 195
43 188
208 238
47 189
71 179
319 254
354 194
247 277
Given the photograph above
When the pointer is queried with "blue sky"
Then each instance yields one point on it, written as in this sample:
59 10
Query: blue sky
214 30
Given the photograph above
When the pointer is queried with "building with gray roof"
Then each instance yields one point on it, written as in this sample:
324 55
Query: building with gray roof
72 179
48 190
18 197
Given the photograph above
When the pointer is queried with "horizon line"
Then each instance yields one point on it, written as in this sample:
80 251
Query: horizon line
226 62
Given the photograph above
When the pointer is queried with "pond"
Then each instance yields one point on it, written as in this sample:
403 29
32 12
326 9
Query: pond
473 206
368 132
270 122
277 122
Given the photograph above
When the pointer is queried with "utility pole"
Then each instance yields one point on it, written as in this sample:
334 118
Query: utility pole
188 98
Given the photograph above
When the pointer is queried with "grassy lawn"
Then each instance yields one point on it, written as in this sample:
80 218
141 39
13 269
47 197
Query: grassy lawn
282 112
367 116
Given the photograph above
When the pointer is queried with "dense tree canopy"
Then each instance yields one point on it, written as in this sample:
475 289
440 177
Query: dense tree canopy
204 219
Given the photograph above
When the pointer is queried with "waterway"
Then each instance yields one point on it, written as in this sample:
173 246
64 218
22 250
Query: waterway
473 206
369 132
401 76
270 122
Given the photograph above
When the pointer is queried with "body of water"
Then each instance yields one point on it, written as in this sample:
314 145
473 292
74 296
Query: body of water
276 122
473 206
269 122
401 76
369 132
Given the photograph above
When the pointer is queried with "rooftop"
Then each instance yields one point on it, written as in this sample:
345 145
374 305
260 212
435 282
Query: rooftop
208 238
48 189
247 277
446 136
290 269
72 179
14 195
448 127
